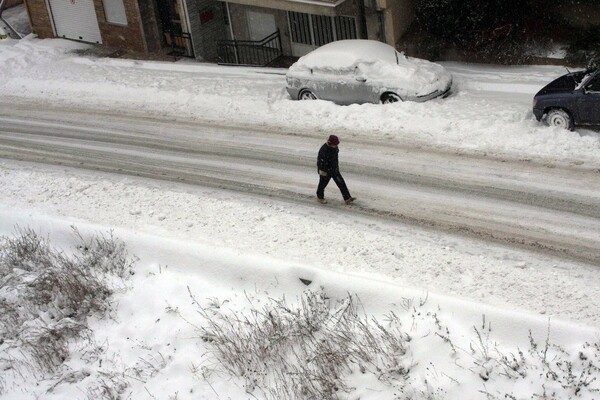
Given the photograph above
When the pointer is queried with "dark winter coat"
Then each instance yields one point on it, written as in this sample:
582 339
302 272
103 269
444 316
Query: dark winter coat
328 160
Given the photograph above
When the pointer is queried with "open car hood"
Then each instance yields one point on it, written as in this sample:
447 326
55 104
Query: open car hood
565 84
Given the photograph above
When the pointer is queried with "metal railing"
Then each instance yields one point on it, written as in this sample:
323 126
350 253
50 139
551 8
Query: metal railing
179 42
257 53
5 26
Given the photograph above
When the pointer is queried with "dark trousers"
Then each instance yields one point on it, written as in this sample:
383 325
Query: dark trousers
339 181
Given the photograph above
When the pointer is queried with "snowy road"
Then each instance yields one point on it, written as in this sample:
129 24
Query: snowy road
208 175
553 210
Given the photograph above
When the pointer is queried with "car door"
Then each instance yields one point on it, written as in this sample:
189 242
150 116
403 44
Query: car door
354 86
588 102
326 84
337 85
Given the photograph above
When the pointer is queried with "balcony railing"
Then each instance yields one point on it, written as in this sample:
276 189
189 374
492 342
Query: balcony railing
250 52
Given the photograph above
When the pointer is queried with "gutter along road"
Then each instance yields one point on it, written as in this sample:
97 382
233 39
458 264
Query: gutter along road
554 210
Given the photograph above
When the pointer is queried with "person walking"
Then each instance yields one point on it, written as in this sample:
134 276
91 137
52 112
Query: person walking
328 167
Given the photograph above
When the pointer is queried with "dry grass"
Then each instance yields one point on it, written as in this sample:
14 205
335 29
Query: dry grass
317 348
47 295
304 350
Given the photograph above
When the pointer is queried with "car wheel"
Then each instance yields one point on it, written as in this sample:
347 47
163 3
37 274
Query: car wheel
307 95
559 118
389 98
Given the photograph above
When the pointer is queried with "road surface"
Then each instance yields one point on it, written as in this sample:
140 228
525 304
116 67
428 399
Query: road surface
548 209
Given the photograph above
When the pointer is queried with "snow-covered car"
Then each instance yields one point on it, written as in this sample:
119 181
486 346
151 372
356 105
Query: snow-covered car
573 99
365 71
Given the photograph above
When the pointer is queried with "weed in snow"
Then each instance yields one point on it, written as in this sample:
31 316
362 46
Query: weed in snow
47 295
306 350
318 348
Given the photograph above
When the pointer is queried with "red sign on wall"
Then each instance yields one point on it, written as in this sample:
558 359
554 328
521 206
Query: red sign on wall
206 15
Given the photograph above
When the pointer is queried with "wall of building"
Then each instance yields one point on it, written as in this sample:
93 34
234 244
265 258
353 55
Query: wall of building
353 8
374 21
397 17
12 3
129 37
239 23
150 25
207 26
39 18
308 7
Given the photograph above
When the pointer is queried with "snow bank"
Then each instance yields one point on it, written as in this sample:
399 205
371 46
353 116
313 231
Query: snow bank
489 112
152 346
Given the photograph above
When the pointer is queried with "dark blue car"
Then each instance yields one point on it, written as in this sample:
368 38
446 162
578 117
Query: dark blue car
573 99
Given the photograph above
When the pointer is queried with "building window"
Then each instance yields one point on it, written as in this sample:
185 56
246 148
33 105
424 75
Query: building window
115 12
300 27
322 30
345 28
317 30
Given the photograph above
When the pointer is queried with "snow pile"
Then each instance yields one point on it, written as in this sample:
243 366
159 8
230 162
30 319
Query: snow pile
301 234
16 56
205 253
344 54
47 296
209 259
378 63
200 322
320 348
488 113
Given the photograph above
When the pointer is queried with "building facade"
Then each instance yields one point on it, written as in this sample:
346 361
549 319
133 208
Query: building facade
232 31
303 25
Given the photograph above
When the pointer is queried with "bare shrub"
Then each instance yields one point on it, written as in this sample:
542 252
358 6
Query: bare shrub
47 295
304 351
553 372
104 254
110 386
308 350
563 372
27 251
71 288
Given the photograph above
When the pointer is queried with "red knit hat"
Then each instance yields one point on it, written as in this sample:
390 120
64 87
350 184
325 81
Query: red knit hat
333 140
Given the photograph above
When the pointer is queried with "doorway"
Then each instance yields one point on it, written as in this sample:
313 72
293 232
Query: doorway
174 27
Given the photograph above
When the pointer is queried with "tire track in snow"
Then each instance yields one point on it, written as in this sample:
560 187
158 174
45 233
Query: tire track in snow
562 223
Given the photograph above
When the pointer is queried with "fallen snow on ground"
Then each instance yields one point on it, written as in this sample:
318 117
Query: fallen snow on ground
221 244
489 112
321 238
216 245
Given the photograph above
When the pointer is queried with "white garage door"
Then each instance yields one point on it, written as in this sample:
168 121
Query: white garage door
75 19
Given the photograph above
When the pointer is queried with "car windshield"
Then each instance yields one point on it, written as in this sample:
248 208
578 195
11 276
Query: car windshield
578 76
583 76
